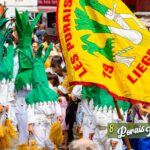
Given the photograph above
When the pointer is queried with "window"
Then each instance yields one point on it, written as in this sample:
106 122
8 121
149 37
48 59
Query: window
51 19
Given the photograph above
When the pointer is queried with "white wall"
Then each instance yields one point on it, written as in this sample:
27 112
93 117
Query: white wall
2 2
21 5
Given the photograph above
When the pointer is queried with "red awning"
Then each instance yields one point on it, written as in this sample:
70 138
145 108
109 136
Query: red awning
47 9
47 3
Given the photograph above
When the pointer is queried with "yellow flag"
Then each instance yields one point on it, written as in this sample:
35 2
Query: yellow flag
104 44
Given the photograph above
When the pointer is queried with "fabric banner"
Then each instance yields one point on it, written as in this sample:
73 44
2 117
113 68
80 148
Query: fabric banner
104 44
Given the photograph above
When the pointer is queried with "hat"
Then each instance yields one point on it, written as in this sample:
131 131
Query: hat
77 89
62 89
13 18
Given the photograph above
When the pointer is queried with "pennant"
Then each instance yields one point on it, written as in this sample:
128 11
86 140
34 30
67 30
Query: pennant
104 44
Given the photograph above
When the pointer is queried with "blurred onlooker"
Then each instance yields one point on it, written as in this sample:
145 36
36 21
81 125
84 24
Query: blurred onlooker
71 117
46 40
58 49
53 80
139 114
35 47
56 60
63 100
144 110
38 24
56 67
14 32
15 36
83 144
34 37
40 32
65 82
12 22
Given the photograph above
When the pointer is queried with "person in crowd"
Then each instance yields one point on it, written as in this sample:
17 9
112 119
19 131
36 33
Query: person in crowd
38 24
23 78
57 49
14 36
142 116
65 82
35 47
56 68
12 22
84 116
53 81
71 115
34 37
40 32
6 83
42 102
46 40
55 60
63 100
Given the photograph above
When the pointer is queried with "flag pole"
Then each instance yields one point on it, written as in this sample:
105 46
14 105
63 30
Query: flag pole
121 117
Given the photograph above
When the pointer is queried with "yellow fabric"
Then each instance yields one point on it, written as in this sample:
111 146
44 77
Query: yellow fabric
56 135
11 129
23 147
55 147
33 145
1 131
41 149
125 77
5 142
45 44
65 84
47 62
147 110
6 134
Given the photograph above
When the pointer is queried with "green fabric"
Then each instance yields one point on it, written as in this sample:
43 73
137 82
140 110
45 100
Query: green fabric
25 54
83 22
3 34
3 71
6 54
40 87
91 47
9 58
31 70
102 9
23 78
102 98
